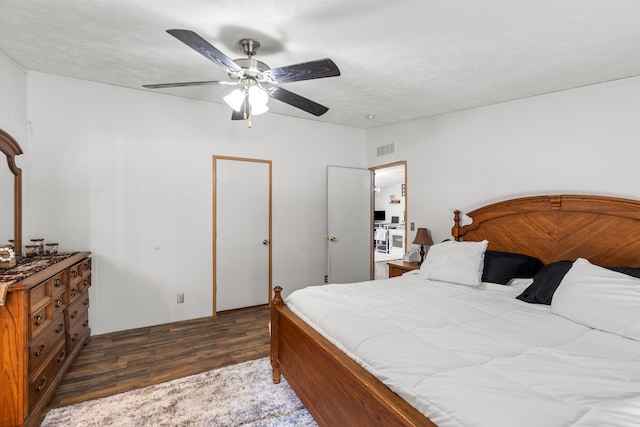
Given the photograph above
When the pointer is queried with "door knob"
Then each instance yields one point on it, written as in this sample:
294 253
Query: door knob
332 238
265 242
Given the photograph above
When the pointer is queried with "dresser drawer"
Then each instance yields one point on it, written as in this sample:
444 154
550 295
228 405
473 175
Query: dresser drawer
59 289
86 281
40 383
39 295
59 302
78 332
75 273
57 283
40 319
76 309
75 289
86 267
43 344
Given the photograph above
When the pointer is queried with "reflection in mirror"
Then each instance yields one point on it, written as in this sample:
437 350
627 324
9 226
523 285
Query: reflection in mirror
10 194
6 204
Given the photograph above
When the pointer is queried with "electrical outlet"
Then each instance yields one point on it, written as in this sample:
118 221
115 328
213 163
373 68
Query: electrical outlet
180 298
413 226
326 279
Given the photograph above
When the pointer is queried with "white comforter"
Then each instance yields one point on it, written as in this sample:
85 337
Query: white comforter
468 356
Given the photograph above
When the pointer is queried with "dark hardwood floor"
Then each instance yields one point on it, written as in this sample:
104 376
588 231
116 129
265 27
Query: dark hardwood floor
380 270
121 361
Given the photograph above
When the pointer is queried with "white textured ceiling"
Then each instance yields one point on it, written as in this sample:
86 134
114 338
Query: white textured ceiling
399 60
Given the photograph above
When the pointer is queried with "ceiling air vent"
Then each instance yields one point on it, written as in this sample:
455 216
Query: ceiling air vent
389 148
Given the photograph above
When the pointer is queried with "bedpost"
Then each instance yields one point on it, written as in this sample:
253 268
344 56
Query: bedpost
455 230
275 302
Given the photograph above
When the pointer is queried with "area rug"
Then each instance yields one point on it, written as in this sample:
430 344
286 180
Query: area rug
237 395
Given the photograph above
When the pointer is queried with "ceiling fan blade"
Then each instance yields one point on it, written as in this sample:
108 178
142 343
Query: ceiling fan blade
237 115
303 71
204 48
204 83
297 101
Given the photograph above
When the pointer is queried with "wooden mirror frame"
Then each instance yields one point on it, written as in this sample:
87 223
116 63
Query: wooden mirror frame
11 149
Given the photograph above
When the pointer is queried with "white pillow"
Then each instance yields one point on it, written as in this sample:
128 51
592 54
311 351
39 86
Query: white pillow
455 262
599 298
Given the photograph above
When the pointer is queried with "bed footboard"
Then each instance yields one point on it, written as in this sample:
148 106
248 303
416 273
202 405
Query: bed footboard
331 385
273 330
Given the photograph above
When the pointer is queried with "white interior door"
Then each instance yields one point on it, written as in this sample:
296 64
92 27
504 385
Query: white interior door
242 227
349 224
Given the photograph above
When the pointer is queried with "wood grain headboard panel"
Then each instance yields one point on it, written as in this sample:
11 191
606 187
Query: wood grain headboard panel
604 230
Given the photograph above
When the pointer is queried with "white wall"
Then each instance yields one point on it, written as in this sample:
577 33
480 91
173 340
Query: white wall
120 172
585 140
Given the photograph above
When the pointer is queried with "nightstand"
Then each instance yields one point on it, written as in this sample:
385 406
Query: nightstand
398 268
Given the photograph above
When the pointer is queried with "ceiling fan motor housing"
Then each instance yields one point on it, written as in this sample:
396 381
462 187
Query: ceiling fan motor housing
252 67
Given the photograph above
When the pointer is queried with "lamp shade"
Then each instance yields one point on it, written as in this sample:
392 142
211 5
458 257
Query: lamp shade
258 109
235 99
423 237
257 96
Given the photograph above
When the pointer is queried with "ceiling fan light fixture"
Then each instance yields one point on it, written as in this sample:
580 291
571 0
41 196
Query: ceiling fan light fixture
258 96
235 99
257 109
258 99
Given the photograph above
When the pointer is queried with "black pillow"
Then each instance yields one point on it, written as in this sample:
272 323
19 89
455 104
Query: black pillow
545 283
548 279
630 271
500 267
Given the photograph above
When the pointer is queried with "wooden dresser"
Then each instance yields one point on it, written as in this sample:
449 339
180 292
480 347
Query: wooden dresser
44 325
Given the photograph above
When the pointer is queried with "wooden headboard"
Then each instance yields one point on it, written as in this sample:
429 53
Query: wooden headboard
604 230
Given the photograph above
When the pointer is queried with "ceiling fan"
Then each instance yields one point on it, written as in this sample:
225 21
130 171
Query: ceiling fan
257 82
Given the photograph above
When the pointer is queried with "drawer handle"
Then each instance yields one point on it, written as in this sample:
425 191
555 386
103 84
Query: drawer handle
62 356
60 328
42 384
74 314
85 266
57 283
86 302
85 324
74 338
74 291
74 273
86 282
58 302
39 350
38 320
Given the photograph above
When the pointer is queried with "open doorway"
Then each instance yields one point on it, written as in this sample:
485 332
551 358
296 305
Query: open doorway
390 215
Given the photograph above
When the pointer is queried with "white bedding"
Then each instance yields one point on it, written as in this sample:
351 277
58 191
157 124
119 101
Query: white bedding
476 356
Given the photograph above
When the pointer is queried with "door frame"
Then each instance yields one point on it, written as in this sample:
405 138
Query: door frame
406 206
215 158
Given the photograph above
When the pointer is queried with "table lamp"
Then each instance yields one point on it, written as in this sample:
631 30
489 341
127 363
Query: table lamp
422 238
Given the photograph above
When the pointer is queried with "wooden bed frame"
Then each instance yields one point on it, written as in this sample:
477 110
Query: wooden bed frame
338 391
